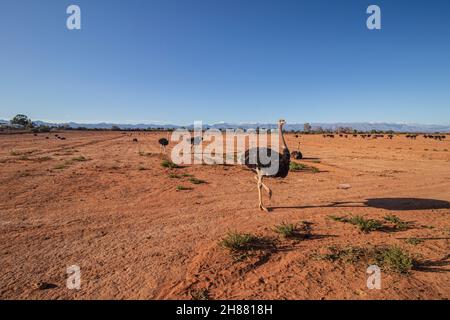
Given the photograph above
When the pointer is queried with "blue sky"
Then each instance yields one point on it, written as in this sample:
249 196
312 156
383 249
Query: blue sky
226 60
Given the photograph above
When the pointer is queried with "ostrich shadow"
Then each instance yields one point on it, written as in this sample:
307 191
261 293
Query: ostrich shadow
392 204
439 266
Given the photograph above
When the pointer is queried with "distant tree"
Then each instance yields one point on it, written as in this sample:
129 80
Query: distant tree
307 127
22 120
115 128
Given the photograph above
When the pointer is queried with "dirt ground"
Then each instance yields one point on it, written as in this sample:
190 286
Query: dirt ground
103 202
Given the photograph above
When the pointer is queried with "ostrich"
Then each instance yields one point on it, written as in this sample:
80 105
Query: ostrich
163 143
283 159
297 155
195 141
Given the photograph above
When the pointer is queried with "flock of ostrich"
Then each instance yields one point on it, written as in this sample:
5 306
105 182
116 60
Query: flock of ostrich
283 157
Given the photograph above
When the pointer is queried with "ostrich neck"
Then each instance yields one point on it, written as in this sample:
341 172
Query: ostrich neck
283 142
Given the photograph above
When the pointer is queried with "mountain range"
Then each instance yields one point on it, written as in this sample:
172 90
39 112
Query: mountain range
360 126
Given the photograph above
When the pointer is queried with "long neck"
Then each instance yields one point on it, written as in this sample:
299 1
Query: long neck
283 142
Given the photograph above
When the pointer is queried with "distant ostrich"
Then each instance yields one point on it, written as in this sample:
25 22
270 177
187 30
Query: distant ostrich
297 155
195 141
252 161
163 143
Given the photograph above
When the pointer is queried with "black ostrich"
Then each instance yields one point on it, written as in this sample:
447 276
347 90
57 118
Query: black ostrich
195 141
163 143
279 161
297 155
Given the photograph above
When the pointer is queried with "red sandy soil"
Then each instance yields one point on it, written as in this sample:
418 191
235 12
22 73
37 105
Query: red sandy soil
119 217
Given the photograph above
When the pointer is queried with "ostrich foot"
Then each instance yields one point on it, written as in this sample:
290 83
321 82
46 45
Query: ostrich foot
263 208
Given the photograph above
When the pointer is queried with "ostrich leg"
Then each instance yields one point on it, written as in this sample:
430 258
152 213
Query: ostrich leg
269 191
260 185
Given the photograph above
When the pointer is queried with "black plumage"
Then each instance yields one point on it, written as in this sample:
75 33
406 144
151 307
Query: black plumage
279 162
163 142
297 155
196 141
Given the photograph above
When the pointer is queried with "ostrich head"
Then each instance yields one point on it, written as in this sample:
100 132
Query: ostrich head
281 122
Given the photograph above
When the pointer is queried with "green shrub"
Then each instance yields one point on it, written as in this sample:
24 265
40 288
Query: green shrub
414 241
169 164
397 222
286 230
235 241
364 225
394 259
182 188
390 258
79 159
294 167
196 181
200 295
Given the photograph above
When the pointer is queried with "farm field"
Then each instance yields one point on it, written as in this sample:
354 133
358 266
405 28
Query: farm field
139 230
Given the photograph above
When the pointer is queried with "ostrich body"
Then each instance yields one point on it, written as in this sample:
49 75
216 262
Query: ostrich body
297 155
195 141
163 143
278 160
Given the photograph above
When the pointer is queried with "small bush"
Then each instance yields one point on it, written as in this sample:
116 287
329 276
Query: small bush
414 241
235 241
397 222
174 176
294 167
390 258
169 164
182 188
61 166
338 219
349 254
187 175
364 225
394 259
286 230
196 181
314 169
79 159
201 294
